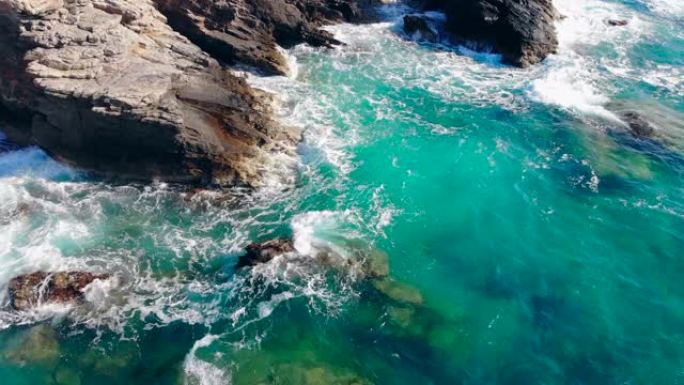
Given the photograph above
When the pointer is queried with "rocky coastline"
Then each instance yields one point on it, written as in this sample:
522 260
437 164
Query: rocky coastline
143 90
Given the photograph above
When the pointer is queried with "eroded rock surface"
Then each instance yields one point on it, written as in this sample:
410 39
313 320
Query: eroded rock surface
522 31
30 290
108 85
250 31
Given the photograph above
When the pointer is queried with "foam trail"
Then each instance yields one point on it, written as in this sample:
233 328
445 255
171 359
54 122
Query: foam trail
199 372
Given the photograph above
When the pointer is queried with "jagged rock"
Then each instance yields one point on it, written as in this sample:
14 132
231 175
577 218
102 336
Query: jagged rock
522 31
109 86
258 253
250 31
419 26
30 290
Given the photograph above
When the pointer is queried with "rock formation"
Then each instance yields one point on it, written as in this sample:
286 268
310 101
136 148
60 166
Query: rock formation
109 86
139 89
258 253
30 290
250 31
360 261
522 31
419 26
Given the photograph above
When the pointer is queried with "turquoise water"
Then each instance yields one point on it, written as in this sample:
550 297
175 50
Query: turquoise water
530 238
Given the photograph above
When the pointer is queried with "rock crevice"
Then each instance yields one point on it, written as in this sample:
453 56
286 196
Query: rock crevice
109 86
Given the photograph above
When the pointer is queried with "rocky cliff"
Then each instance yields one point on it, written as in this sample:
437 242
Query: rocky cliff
522 31
140 89
110 86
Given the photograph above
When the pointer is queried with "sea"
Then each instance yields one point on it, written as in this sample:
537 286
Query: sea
527 236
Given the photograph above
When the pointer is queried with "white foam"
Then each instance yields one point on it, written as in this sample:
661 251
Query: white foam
266 308
200 372
666 7
308 228
572 78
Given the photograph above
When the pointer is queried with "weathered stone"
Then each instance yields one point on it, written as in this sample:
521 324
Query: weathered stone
522 31
258 253
31 290
250 31
109 86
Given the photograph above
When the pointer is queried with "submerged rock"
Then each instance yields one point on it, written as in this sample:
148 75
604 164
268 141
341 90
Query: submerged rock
637 124
398 292
30 290
38 345
419 26
522 31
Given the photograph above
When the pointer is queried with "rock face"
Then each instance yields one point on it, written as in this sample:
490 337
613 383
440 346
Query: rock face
250 31
521 30
258 253
415 25
109 86
30 290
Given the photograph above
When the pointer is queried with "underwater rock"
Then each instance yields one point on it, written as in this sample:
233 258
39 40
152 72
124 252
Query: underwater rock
419 26
398 291
30 290
522 31
38 345
315 375
67 376
637 124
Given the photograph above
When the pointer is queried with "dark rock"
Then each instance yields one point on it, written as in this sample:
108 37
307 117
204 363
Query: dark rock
419 26
250 31
359 260
616 22
30 290
522 31
258 253
637 124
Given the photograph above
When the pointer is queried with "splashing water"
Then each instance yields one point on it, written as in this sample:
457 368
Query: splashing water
531 238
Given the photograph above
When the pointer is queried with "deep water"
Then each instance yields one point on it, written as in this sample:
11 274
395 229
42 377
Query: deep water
531 238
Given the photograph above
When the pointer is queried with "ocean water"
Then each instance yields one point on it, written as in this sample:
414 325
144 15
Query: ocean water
530 238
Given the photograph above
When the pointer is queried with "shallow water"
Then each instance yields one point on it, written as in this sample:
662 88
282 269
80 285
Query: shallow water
531 239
